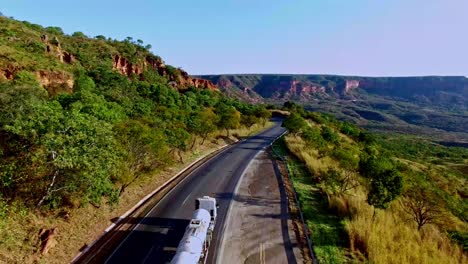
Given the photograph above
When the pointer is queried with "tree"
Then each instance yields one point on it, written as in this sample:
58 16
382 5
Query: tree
384 188
349 129
229 117
290 105
54 30
312 137
295 123
248 120
263 113
422 205
79 34
340 182
202 123
178 138
145 149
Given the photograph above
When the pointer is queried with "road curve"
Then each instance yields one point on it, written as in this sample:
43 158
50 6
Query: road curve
156 235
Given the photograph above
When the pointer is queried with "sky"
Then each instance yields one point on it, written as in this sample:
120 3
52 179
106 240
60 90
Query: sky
348 37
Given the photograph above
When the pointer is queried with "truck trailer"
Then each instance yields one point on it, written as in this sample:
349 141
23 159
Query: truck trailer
193 248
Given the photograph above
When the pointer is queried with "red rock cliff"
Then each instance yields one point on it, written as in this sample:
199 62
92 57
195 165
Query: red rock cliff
179 78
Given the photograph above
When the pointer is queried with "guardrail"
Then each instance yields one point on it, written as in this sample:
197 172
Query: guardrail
100 244
296 200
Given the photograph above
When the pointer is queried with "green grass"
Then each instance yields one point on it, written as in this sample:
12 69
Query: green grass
327 230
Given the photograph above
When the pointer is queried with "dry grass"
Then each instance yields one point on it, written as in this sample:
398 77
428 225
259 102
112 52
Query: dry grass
309 156
19 227
389 237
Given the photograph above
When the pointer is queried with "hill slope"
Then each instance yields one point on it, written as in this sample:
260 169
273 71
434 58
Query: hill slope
55 58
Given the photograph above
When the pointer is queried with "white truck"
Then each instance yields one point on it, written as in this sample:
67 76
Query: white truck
193 248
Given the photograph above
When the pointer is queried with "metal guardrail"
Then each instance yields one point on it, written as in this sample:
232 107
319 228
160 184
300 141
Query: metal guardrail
87 254
296 200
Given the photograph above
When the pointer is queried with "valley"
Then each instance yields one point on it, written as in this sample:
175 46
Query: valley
436 107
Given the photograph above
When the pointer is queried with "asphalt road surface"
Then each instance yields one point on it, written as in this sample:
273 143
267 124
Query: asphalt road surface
155 237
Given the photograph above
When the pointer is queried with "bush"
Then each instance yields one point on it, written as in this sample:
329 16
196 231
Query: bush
295 123
54 30
329 135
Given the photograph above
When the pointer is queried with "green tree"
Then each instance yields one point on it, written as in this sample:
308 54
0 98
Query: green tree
79 34
144 150
229 117
202 123
384 188
263 114
295 123
249 120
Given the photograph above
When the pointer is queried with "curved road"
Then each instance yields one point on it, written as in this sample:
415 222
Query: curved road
155 237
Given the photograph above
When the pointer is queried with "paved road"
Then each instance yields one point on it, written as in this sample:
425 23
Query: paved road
258 228
157 234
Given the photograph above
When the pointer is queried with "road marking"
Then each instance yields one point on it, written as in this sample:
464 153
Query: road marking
262 254
183 203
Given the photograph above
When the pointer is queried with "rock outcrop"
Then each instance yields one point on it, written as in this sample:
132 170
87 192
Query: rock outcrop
53 47
55 82
350 85
179 78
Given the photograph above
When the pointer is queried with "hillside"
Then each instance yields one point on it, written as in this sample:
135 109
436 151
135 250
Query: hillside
88 127
55 58
419 105
370 198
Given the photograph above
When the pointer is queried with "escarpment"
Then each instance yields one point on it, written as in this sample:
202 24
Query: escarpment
306 88
178 77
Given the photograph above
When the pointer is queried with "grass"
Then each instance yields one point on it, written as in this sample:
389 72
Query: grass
343 229
326 229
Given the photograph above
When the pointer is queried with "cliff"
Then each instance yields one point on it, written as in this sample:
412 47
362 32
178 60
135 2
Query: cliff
306 88
178 77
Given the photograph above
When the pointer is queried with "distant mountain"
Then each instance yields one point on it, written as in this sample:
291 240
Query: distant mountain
304 88
431 105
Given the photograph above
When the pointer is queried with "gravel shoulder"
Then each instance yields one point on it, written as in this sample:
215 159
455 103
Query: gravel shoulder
259 229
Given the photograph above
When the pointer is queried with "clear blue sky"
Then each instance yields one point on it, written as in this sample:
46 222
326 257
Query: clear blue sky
352 37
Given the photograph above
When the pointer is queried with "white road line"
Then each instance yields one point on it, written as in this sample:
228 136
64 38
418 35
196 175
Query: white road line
183 203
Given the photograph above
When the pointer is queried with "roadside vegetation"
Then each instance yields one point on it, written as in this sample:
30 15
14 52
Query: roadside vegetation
371 198
63 151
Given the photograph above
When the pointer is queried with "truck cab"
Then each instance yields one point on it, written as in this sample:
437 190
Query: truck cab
208 203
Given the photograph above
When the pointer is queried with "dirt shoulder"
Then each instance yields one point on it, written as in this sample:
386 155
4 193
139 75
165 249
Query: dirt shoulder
259 229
